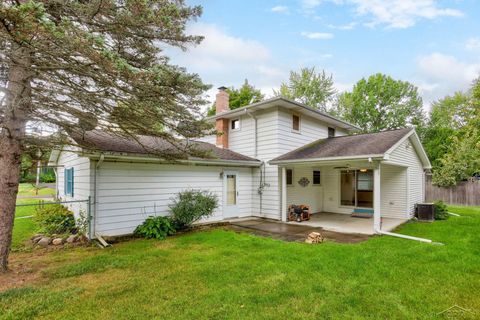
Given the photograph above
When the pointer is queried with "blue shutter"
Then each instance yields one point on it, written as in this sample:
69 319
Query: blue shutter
68 176
65 181
71 181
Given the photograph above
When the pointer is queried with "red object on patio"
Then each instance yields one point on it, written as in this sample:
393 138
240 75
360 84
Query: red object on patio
298 212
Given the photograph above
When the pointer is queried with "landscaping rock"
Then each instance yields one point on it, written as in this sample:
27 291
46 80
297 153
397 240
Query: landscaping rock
71 239
57 241
44 242
36 238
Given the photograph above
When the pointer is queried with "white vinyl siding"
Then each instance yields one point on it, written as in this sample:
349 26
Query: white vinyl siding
129 193
393 193
407 156
274 137
311 195
82 177
310 130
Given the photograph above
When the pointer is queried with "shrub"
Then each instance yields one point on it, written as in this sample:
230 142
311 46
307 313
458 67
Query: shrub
441 211
155 228
28 178
54 219
192 205
47 177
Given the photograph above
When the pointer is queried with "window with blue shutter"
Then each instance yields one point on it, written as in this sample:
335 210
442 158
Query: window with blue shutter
68 177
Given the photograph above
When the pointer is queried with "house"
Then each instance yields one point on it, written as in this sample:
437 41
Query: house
271 154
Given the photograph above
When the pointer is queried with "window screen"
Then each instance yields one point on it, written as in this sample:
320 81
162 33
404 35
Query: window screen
316 177
235 124
295 122
331 132
289 177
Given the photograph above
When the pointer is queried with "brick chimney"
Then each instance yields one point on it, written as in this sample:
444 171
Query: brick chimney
221 125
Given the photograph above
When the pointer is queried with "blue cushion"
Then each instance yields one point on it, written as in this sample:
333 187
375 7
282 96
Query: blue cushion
358 210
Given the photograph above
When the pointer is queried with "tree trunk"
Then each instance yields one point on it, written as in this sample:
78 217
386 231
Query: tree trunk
12 134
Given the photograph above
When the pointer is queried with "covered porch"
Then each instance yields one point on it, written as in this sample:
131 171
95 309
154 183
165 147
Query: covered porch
345 223
338 191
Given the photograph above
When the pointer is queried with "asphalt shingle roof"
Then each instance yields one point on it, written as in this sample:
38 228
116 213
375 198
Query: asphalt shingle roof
344 146
108 142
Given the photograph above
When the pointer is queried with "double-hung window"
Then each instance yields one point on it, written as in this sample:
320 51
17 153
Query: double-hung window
68 178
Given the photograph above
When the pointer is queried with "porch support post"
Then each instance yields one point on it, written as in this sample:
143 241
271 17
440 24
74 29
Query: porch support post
376 199
284 194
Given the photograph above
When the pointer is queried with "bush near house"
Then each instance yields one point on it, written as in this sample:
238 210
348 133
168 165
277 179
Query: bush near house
192 205
155 228
441 211
54 219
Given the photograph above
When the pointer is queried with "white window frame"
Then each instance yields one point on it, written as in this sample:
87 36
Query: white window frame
293 177
299 122
239 124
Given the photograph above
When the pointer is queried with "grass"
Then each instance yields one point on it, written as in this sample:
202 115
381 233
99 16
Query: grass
23 227
28 189
220 274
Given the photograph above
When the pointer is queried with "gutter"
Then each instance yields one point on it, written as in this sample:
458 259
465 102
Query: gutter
95 202
367 157
128 158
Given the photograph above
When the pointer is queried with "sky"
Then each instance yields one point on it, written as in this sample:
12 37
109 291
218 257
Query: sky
433 44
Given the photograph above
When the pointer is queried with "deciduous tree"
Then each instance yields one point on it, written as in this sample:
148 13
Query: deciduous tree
461 160
241 97
380 103
307 86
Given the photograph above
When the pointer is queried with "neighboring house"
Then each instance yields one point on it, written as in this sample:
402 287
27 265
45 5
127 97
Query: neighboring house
271 154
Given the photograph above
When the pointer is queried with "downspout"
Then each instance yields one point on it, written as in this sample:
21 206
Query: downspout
255 154
55 170
95 202
377 227
398 235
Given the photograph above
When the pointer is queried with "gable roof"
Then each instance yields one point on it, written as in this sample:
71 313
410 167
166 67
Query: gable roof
288 104
356 146
99 141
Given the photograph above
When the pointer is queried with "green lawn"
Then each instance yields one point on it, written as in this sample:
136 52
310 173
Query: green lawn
28 189
220 274
24 228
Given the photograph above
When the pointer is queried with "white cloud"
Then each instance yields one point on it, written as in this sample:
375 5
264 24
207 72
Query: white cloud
224 59
473 44
318 35
401 13
391 13
280 9
219 49
326 56
440 75
348 26
310 4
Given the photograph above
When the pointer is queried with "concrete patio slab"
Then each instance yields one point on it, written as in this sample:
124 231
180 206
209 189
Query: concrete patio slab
344 223
290 232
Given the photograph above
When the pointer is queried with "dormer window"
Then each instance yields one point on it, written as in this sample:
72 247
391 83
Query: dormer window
235 124
331 132
295 123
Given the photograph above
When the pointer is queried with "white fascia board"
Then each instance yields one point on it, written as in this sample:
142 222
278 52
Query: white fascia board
108 156
329 159
283 102
416 144
54 156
